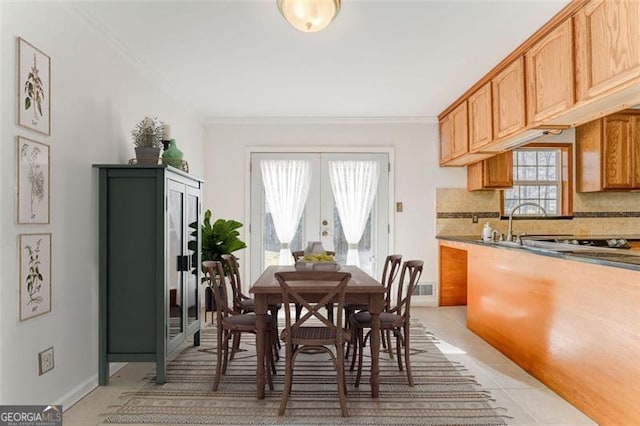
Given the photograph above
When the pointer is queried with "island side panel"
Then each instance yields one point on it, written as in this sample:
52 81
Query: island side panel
452 289
573 325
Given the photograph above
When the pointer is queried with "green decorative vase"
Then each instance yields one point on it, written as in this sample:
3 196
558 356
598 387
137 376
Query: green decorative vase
172 156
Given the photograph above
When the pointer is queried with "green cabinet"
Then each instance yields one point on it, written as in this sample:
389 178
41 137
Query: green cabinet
149 251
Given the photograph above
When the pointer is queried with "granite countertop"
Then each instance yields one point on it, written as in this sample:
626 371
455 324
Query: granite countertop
619 258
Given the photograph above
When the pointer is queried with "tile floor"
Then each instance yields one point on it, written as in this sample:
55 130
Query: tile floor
527 400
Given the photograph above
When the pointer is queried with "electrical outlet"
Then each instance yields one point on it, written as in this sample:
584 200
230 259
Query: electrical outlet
45 361
474 218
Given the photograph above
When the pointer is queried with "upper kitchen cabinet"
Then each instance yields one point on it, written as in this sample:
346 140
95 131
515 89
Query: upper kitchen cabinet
608 153
607 36
582 65
509 116
454 139
550 77
480 119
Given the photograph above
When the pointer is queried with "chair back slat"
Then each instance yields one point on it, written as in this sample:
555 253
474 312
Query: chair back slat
331 293
389 274
231 267
214 272
409 277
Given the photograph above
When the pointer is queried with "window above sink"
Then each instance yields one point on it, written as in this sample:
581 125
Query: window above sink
541 175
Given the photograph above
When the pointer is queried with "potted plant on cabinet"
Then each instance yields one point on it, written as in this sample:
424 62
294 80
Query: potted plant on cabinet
147 138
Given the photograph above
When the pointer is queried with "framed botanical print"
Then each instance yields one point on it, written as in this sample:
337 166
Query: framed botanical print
35 275
33 182
34 88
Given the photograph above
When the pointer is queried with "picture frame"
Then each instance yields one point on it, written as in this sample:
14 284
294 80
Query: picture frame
35 275
33 168
34 88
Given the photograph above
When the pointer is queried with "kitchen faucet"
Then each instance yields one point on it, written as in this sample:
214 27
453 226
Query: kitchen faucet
528 203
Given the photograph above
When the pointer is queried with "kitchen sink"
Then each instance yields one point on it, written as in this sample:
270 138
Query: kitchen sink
512 244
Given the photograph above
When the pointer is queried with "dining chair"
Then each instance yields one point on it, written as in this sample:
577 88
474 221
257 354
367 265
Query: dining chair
396 319
389 273
242 303
231 323
298 255
300 338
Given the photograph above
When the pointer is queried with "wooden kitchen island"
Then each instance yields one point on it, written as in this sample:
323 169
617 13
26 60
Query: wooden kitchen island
571 323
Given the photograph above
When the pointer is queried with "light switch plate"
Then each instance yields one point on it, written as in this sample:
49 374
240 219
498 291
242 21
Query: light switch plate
45 361
399 207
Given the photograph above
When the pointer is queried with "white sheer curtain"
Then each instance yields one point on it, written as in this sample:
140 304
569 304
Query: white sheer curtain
354 185
286 187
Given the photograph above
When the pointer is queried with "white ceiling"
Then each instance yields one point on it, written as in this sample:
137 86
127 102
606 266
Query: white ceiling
392 58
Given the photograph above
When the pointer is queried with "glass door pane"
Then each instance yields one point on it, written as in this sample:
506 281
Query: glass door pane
175 253
265 245
193 313
373 246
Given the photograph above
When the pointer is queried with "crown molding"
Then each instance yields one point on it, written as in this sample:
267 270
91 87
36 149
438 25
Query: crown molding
322 120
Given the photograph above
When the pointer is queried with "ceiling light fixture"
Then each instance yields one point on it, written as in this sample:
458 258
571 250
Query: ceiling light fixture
309 16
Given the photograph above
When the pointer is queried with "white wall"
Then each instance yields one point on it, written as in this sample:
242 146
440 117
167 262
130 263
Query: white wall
97 97
417 173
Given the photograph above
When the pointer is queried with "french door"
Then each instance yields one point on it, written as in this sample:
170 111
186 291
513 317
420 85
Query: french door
320 219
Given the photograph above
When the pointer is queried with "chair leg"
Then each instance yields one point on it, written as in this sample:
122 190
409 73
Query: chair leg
387 337
298 311
268 350
235 346
227 337
407 354
329 307
288 378
354 339
274 314
360 350
218 359
342 393
273 348
398 339
347 326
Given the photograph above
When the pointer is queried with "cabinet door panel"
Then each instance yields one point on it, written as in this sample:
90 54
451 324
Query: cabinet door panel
460 131
550 74
589 156
607 45
446 139
635 142
175 261
493 173
191 278
480 125
617 172
498 171
509 100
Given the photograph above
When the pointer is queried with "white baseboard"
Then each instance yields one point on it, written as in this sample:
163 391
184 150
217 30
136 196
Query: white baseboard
85 388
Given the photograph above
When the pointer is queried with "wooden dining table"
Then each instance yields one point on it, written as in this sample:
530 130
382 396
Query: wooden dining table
361 289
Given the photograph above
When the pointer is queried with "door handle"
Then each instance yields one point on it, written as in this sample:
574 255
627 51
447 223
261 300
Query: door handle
182 263
325 233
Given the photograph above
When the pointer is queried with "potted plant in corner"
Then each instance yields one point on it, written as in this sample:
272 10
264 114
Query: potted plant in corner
221 237
147 138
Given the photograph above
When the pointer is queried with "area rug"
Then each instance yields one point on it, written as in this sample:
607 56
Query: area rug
444 393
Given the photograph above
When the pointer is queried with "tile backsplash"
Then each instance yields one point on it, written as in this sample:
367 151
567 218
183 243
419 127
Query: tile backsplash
600 213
